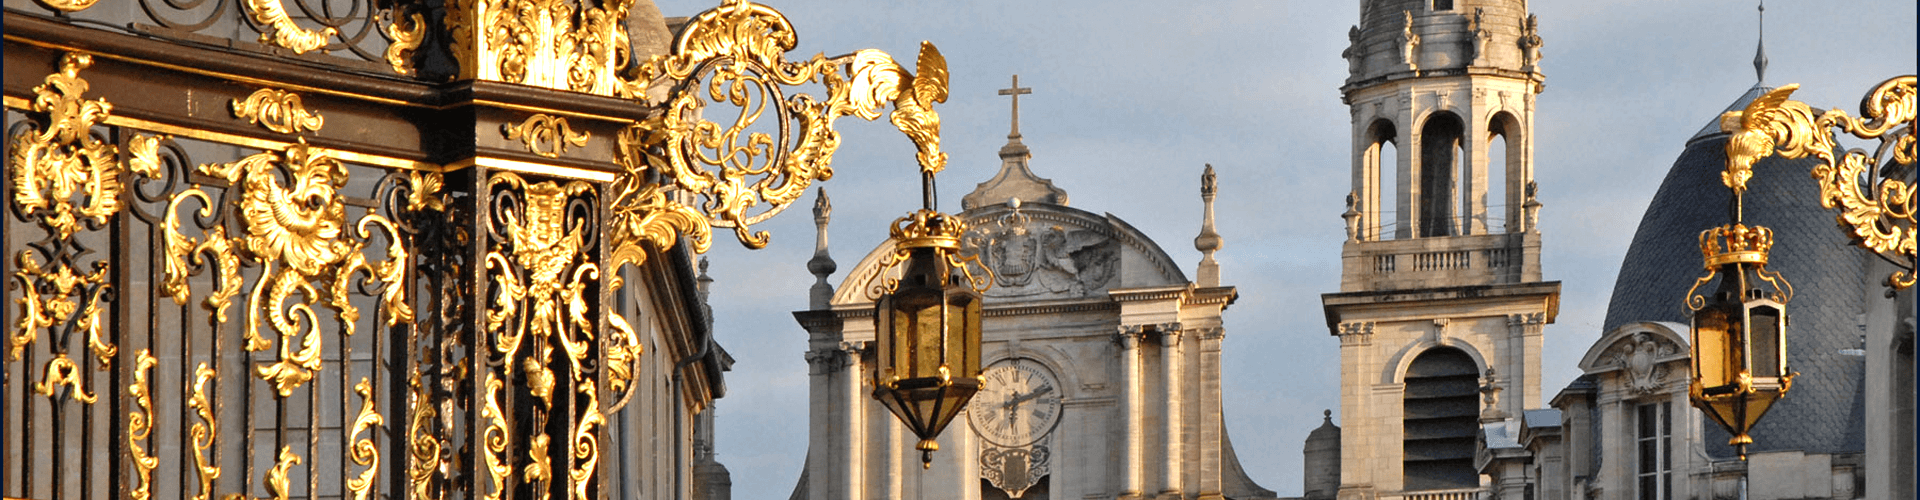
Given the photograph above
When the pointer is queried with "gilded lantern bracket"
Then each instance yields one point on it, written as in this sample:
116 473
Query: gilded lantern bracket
1875 193
734 55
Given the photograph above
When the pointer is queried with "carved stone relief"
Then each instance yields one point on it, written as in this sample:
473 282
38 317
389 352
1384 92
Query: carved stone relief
1014 470
1036 259
1640 357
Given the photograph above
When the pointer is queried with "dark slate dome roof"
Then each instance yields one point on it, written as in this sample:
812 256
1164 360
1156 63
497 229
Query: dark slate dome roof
1823 412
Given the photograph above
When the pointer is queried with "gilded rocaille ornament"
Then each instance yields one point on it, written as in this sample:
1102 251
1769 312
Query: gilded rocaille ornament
277 110
1877 213
140 425
68 180
202 432
300 235
362 450
545 135
734 54
278 29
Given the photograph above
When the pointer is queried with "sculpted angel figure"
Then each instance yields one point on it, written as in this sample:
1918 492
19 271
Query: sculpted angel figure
1410 44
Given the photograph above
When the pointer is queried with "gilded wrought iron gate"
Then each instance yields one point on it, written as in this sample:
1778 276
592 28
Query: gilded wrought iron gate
377 253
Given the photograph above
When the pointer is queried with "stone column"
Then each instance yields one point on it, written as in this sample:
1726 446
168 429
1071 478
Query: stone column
1130 411
1211 424
853 414
821 420
1358 456
1170 366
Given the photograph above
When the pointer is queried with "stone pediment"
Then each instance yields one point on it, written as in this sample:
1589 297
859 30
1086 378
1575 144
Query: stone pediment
1643 350
1043 252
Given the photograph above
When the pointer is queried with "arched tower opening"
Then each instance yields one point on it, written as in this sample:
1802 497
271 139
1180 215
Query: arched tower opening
1441 141
1380 165
1441 411
1505 169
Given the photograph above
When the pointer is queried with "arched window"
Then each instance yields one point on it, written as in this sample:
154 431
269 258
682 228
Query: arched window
1503 170
1440 142
1379 217
1441 411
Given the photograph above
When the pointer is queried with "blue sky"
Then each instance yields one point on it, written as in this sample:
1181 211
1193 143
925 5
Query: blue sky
1131 98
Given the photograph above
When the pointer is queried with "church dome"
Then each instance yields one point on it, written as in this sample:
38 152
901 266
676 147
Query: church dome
1831 287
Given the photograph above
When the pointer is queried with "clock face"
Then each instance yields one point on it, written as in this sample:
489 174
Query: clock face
1019 403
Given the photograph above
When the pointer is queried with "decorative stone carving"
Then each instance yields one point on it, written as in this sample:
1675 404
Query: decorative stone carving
1014 470
1352 54
1530 43
1410 44
1640 356
1480 36
1034 259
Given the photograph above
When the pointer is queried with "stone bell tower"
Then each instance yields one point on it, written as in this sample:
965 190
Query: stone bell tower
1441 304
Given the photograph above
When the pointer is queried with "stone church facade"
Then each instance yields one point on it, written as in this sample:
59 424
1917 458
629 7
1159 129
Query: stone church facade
1101 364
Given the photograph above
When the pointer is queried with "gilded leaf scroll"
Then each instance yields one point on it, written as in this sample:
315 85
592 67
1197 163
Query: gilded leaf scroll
277 110
278 28
140 426
68 180
545 135
300 235
734 55
1874 193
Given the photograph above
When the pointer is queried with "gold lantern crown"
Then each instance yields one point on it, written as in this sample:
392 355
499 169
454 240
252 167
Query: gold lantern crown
1735 244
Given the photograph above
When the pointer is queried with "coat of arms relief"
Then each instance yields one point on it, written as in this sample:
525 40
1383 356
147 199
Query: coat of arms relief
1044 260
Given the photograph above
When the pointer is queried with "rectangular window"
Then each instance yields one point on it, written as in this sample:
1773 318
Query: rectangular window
1440 5
1655 464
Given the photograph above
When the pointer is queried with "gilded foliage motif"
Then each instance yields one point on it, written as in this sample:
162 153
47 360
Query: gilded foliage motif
560 44
545 135
300 235
361 450
734 55
140 426
280 30
543 302
68 180
277 110
1875 193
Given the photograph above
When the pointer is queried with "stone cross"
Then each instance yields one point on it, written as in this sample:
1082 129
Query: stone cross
1016 91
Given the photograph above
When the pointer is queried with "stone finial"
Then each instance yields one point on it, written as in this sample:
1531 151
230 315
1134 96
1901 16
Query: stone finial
1410 44
1208 241
1352 53
1326 416
1490 392
1530 42
1760 54
821 265
705 282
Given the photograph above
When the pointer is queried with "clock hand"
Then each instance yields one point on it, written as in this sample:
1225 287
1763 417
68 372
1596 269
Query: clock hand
1027 397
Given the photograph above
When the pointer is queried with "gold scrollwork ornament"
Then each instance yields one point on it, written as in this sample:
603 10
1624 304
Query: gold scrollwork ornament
52 170
140 426
202 432
300 234
279 29
545 135
738 49
1879 214
362 451
277 110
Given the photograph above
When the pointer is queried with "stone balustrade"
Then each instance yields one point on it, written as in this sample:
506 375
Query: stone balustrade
1440 262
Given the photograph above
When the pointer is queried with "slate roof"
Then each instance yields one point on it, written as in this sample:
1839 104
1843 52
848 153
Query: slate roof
1823 412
